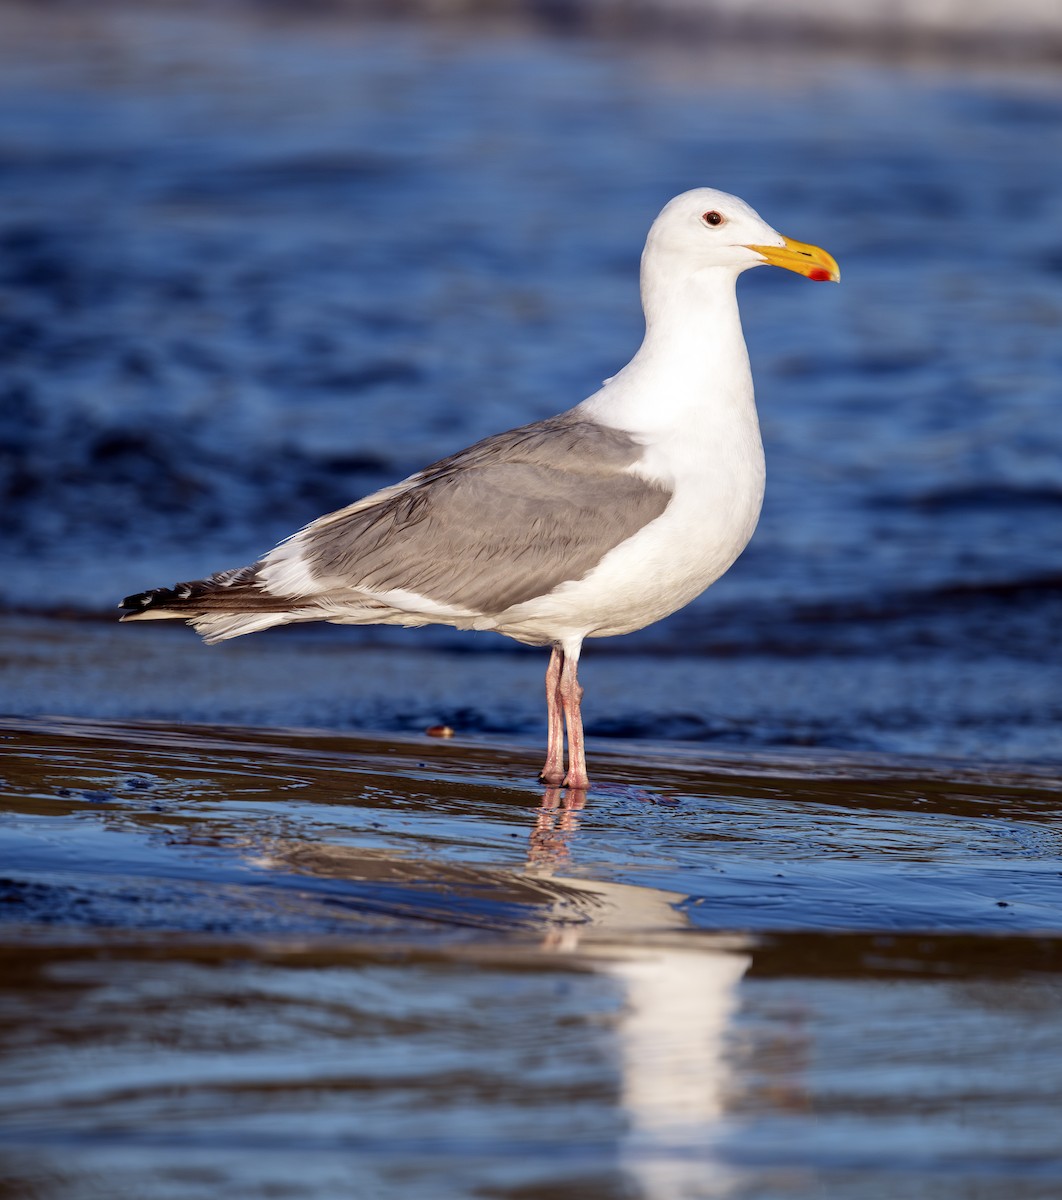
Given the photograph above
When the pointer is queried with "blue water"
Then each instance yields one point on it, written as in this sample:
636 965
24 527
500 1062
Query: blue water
249 271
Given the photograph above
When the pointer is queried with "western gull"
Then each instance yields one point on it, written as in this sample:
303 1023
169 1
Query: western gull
592 523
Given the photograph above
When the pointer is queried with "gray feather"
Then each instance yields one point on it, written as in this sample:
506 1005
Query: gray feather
508 519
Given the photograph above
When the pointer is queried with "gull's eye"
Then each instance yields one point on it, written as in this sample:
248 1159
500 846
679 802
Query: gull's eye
712 218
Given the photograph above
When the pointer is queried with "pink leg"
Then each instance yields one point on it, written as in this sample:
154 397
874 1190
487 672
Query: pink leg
571 694
553 771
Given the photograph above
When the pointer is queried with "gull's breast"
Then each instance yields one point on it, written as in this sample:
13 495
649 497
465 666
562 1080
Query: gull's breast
713 512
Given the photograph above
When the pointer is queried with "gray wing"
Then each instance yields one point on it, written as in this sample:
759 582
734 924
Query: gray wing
508 519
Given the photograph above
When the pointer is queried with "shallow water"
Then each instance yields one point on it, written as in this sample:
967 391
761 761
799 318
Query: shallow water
997 707
294 963
804 937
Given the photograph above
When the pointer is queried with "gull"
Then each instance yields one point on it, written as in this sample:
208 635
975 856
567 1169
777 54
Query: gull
592 523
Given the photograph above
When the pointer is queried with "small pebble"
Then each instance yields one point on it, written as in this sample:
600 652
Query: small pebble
439 731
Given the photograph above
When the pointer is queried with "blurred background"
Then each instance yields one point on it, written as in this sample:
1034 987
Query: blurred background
258 259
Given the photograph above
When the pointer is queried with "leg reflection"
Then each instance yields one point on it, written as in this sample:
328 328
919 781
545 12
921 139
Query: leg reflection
555 825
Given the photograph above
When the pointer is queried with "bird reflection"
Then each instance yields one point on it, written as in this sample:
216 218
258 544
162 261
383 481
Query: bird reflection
670 994
680 995
673 1047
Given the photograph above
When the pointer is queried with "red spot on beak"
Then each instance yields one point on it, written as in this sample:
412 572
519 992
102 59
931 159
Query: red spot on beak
819 275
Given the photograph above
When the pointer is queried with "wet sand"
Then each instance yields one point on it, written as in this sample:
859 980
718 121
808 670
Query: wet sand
296 963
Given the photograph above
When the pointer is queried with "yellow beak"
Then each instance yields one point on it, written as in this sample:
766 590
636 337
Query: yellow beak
805 260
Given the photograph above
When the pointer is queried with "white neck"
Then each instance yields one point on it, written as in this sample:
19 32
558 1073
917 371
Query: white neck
692 368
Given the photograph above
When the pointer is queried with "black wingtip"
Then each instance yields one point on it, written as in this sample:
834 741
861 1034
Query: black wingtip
138 602
154 598
218 591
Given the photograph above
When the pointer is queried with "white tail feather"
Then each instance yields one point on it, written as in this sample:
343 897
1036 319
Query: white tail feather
219 627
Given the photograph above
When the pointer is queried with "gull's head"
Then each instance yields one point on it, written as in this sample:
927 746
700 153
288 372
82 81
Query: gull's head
706 228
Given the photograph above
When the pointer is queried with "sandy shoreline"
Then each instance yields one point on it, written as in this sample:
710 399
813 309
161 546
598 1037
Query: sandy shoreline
822 808
243 959
248 959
